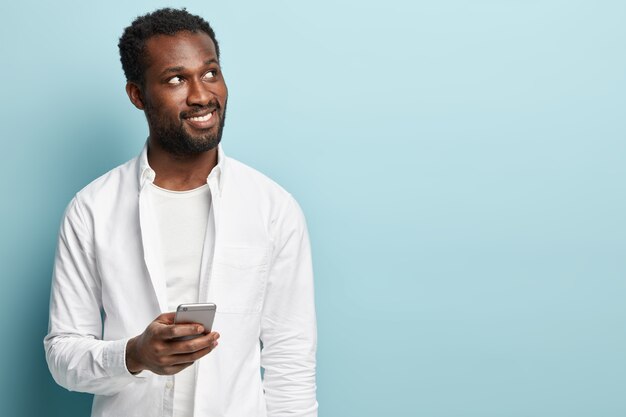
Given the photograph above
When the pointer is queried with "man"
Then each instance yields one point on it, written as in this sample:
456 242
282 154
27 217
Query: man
183 223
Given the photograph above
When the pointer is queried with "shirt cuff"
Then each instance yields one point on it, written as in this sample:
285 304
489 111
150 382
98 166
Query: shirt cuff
114 359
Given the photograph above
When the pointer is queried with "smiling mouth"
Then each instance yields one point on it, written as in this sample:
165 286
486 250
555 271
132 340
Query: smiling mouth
204 121
204 118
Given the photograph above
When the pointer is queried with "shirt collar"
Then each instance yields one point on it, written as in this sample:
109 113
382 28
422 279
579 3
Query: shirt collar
147 174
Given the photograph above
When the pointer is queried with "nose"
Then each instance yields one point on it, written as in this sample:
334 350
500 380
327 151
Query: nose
199 93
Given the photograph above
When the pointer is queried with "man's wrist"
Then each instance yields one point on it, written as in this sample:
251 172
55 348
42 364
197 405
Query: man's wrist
133 365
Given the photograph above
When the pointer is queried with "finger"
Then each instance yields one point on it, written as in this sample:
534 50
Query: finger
173 369
166 318
193 345
192 357
175 331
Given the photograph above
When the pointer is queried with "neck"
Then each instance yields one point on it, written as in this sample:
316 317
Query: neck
180 172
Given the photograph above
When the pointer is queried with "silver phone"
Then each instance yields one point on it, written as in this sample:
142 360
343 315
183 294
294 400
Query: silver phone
201 313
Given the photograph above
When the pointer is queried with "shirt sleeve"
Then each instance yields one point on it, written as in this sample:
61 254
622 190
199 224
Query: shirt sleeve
77 357
288 325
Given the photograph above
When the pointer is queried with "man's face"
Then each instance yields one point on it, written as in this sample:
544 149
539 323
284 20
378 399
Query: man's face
184 94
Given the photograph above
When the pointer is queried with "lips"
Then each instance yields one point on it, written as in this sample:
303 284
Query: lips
202 120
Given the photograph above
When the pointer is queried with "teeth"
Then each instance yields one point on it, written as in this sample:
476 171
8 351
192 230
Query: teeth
202 118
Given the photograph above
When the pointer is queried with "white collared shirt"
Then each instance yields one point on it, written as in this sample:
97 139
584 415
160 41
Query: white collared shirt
108 285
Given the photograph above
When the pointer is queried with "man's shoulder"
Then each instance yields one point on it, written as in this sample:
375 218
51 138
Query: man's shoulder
109 184
243 175
248 191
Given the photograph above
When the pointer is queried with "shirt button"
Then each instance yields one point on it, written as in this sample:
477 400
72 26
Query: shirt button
169 385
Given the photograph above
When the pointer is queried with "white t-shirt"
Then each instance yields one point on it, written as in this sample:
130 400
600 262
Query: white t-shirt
182 218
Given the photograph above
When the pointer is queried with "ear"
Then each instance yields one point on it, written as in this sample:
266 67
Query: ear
135 95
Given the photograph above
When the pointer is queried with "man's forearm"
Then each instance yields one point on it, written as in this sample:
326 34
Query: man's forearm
85 364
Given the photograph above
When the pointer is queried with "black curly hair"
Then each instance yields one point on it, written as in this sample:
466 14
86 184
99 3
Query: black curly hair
166 21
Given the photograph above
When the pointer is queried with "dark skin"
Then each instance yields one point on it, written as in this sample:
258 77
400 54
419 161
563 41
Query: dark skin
157 349
184 89
183 78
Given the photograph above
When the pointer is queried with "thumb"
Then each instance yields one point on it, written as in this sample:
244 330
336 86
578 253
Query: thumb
166 318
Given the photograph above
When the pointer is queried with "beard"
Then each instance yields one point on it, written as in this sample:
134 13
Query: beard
173 137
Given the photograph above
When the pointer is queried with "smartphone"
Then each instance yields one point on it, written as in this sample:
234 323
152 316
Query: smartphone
201 313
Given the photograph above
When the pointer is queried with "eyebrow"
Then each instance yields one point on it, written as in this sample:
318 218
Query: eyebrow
180 68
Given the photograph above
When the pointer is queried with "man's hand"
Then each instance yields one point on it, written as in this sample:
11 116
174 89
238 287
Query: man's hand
158 350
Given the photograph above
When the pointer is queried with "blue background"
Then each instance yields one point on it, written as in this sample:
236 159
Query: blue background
461 165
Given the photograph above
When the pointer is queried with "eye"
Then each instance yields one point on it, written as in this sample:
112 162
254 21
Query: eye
211 74
175 80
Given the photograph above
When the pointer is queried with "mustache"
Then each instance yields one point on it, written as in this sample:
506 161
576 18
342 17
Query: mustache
211 106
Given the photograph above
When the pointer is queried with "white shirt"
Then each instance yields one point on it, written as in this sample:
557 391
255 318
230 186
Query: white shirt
108 285
182 218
